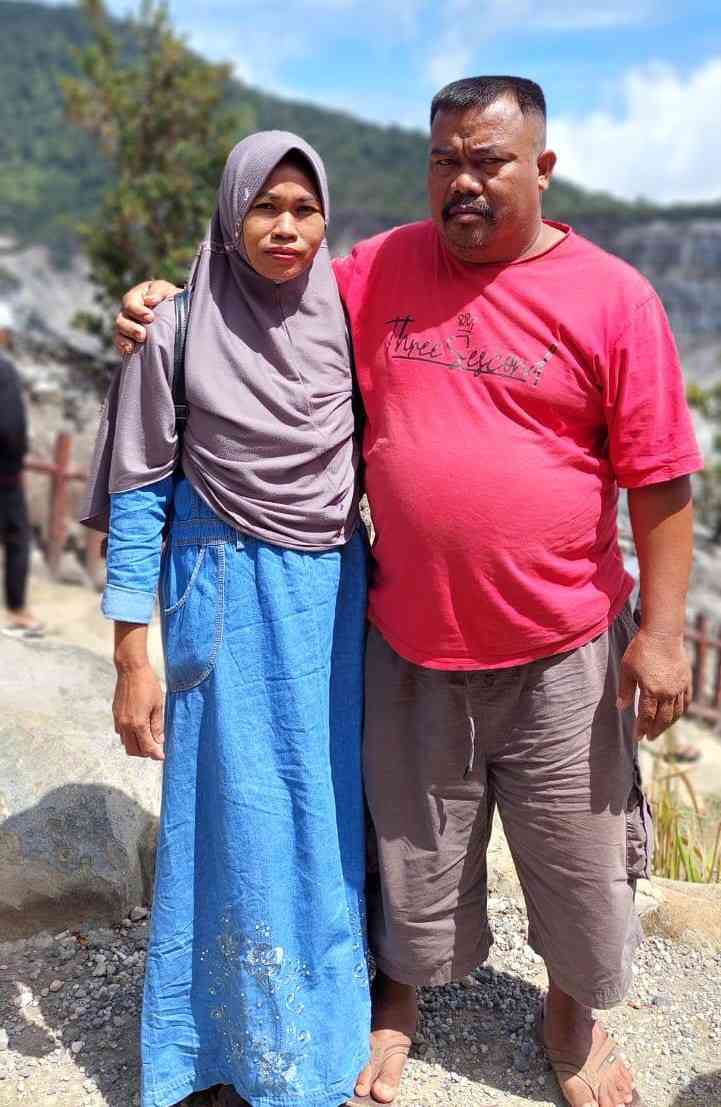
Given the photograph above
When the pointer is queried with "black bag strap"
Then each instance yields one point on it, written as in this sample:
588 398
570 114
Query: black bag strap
182 315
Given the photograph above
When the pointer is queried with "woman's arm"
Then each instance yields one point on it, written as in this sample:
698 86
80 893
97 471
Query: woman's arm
137 521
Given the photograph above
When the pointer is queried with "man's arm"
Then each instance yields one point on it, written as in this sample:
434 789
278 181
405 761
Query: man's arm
656 662
137 310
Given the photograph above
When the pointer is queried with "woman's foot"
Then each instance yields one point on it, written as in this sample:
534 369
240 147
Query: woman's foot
395 1014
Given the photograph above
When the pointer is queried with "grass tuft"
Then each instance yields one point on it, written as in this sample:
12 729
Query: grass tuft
687 838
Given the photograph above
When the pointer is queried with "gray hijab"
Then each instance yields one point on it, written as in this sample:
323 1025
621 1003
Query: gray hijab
269 440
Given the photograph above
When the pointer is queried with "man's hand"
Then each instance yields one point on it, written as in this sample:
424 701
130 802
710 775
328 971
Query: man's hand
658 666
137 305
138 712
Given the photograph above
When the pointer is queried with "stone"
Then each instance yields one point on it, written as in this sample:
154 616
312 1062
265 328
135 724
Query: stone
78 818
690 913
4 1040
502 878
57 985
138 914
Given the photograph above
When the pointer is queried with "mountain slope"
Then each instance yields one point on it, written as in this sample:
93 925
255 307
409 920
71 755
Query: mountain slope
53 175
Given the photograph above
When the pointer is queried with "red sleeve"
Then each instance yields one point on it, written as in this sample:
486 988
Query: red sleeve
650 431
343 269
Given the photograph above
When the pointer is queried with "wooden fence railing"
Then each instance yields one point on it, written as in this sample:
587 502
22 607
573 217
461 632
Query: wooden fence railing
61 474
704 642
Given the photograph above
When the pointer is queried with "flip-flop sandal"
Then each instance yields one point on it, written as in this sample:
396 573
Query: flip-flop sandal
590 1071
384 1055
37 630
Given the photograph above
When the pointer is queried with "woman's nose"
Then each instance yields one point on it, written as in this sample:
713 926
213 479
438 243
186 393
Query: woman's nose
284 226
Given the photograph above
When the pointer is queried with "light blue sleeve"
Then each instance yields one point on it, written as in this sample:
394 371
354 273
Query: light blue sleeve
135 538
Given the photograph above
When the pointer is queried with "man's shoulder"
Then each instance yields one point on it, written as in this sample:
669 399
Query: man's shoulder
387 249
610 273
396 240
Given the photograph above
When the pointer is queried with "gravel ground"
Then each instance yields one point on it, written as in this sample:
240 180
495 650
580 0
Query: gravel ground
69 1012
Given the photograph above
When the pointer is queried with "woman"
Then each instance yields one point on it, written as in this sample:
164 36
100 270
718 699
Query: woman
256 973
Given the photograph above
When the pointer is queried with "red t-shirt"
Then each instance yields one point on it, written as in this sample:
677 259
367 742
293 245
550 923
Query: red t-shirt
505 405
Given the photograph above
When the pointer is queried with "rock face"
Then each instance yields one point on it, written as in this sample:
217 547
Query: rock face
78 818
689 913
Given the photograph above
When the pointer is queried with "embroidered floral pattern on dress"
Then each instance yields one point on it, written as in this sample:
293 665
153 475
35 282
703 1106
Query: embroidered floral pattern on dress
259 985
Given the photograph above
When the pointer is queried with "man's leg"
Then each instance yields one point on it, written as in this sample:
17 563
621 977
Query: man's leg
17 555
431 812
568 790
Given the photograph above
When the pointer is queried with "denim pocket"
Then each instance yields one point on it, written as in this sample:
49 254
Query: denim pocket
193 593
639 833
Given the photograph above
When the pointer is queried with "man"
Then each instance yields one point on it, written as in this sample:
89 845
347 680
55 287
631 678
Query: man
514 375
14 525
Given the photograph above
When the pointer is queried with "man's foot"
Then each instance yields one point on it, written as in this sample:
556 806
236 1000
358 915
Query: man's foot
575 1041
395 1014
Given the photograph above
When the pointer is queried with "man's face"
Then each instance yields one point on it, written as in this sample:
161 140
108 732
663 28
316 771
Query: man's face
487 170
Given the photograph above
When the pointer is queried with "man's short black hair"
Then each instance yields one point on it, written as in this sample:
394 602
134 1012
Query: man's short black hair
481 92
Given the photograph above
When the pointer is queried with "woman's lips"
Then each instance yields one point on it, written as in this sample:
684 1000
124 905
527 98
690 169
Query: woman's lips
284 255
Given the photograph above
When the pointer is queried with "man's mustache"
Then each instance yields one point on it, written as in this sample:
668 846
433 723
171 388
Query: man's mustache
474 204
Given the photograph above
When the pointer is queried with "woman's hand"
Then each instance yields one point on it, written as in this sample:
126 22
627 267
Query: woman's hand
138 713
137 304
138 701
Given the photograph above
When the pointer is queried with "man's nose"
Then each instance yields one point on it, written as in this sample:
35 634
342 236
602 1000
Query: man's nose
467 182
284 226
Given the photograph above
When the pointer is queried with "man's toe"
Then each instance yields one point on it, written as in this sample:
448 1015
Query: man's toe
364 1081
384 1092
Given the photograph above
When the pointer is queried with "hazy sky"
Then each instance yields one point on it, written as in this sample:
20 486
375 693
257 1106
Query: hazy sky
633 86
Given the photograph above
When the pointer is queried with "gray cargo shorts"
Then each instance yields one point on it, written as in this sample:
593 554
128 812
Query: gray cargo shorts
545 743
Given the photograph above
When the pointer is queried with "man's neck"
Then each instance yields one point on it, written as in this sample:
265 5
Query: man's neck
547 236
543 238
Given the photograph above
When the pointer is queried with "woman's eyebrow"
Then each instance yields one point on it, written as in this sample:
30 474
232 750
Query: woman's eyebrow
268 194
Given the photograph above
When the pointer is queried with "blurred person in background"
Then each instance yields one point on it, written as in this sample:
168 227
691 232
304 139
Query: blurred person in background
14 522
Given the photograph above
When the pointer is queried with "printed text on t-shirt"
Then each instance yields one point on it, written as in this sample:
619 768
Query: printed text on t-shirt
459 352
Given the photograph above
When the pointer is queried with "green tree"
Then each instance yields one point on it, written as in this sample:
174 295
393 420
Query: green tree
160 115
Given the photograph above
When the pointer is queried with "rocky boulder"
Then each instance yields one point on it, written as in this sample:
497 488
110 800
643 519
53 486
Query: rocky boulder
78 818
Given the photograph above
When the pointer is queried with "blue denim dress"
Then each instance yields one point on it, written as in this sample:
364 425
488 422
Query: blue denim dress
256 973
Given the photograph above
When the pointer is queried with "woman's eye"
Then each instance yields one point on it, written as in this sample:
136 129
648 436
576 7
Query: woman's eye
263 206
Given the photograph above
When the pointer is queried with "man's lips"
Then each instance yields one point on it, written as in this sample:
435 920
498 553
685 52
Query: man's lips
458 211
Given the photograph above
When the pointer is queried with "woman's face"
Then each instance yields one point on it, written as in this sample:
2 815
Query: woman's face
285 225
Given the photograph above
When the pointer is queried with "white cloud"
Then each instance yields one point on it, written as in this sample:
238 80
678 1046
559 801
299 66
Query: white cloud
464 26
663 145
569 17
450 59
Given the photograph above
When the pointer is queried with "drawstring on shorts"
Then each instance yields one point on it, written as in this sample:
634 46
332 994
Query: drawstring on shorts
472 732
